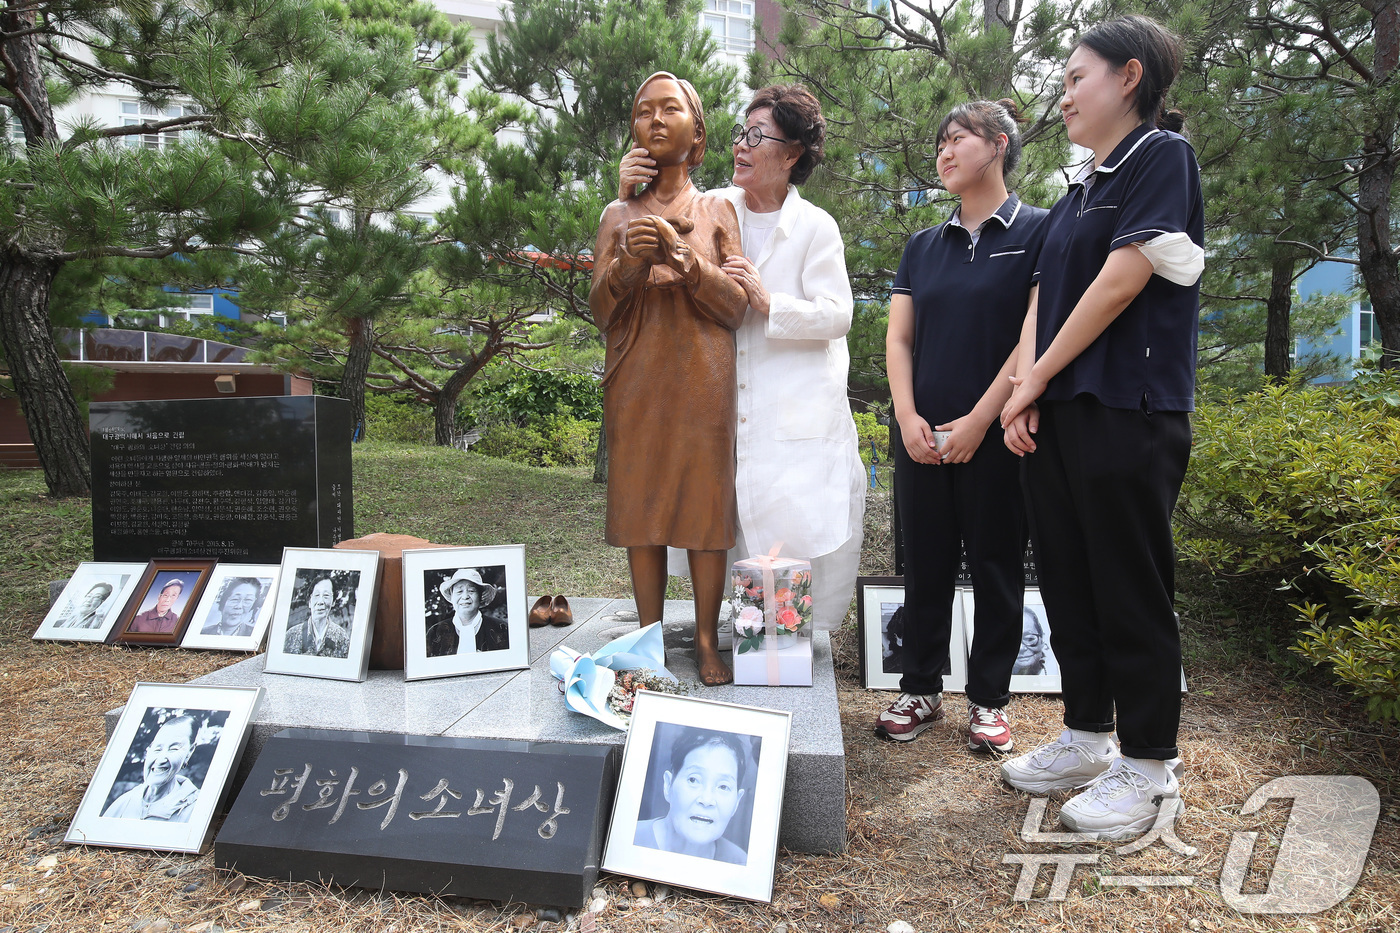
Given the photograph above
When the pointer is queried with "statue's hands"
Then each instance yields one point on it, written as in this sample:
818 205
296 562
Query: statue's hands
638 168
653 239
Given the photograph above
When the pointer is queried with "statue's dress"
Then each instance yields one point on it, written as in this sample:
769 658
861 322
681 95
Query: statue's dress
668 382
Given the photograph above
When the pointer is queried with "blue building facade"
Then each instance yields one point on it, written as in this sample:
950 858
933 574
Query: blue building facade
1357 328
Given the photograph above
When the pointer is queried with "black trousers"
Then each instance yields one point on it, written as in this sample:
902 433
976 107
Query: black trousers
940 507
1100 490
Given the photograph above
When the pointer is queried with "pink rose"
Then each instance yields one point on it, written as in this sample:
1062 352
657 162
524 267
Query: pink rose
789 619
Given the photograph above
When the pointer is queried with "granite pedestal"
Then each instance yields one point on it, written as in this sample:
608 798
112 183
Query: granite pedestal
527 705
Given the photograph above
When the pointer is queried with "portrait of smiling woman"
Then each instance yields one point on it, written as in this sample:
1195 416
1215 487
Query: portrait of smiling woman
162 776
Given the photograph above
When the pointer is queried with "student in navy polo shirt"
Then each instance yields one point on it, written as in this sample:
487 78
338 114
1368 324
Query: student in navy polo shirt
955 316
1104 386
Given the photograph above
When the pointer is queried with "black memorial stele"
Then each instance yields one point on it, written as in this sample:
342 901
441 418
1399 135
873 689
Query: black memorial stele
233 479
484 818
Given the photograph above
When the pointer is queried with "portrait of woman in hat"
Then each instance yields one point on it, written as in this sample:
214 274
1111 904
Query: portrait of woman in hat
472 625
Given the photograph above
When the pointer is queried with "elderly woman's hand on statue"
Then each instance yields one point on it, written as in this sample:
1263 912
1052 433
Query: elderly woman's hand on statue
744 272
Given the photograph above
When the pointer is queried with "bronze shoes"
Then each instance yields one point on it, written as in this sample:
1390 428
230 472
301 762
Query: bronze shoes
551 610
540 612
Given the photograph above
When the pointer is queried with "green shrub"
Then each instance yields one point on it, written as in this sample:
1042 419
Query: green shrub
397 418
529 397
558 441
1303 484
868 430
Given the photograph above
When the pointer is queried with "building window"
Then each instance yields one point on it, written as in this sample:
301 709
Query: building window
731 22
13 128
197 305
136 112
1366 328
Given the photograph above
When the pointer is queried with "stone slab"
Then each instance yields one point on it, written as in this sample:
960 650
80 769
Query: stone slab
526 705
235 479
484 818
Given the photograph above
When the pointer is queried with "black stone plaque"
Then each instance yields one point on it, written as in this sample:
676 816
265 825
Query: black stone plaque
235 479
485 818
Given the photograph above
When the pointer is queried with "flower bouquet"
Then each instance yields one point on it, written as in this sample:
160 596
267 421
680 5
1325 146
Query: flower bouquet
629 683
792 602
604 684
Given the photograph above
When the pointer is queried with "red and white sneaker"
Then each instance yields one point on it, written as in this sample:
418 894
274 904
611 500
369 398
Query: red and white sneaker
909 715
988 730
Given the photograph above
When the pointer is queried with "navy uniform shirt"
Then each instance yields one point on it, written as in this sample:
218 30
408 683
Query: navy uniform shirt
969 303
1146 358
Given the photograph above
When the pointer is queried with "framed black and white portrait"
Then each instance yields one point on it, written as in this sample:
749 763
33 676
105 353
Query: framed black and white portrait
700 795
166 768
322 619
881 615
234 612
91 603
1036 670
464 611
163 603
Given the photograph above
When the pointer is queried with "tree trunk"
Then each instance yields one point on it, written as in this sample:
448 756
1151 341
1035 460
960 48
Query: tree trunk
52 414
1380 267
1278 335
445 406
357 360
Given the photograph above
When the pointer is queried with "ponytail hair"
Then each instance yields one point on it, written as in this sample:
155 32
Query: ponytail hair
987 120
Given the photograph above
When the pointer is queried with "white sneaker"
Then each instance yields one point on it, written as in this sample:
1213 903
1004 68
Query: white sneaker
1118 804
1060 765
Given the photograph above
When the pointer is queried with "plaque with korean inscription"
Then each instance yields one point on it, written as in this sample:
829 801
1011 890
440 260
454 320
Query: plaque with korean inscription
485 818
234 479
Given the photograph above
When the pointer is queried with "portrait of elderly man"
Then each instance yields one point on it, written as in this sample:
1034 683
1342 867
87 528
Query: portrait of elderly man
318 627
164 793
471 627
85 613
163 617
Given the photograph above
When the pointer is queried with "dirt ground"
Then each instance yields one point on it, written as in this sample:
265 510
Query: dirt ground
930 825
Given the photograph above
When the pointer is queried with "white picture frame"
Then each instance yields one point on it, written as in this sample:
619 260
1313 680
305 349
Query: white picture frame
878 604
1037 670
227 593
708 736
61 622
166 769
495 578
346 606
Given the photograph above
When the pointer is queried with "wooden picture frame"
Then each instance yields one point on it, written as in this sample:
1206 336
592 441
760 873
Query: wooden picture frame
153 616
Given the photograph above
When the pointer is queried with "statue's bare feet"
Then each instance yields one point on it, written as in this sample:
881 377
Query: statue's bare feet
713 671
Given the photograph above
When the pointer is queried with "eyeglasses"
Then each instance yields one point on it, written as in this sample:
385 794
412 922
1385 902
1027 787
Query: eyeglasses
753 136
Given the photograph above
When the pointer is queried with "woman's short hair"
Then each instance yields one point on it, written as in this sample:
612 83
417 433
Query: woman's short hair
799 116
693 738
235 582
1120 40
105 587
988 119
697 111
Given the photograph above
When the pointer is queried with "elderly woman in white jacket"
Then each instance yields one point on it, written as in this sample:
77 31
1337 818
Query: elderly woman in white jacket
800 483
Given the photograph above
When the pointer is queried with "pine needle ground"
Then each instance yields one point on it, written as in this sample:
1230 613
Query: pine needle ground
929 823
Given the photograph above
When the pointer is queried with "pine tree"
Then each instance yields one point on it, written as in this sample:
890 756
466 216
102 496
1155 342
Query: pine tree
279 99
